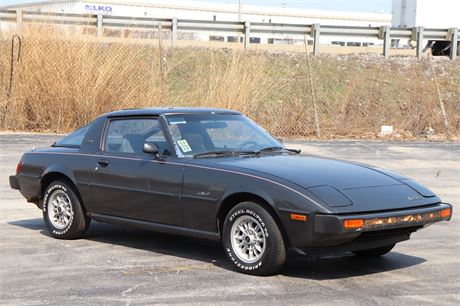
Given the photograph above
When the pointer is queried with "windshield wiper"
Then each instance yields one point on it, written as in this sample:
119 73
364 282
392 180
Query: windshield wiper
276 148
235 153
267 149
223 153
213 153
296 151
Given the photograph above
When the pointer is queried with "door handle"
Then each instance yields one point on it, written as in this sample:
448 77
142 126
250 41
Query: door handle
103 162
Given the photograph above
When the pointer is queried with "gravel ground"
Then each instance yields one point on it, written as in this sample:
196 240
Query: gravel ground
113 265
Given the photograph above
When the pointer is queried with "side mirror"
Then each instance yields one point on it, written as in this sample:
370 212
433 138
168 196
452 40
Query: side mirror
151 148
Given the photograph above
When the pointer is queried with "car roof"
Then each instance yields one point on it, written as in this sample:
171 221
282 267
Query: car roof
170 110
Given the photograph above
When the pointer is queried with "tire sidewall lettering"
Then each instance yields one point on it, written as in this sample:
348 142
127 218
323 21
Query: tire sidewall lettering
251 213
233 258
242 265
48 193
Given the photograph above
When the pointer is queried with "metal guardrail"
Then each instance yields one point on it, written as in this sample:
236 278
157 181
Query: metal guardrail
246 28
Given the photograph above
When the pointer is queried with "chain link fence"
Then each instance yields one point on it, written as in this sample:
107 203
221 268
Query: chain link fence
62 82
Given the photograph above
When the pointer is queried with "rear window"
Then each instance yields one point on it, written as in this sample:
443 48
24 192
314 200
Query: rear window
74 139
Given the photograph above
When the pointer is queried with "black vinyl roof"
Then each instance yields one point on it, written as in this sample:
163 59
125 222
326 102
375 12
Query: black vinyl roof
170 110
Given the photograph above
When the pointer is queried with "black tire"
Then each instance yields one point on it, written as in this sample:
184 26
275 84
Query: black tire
77 222
273 254
375 252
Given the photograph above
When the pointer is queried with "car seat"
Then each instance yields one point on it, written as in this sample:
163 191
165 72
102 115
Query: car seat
132 143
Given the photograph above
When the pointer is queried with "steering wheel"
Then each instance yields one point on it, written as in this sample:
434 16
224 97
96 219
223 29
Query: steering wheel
246 143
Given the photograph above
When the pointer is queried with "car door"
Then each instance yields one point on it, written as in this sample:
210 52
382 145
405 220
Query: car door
126 182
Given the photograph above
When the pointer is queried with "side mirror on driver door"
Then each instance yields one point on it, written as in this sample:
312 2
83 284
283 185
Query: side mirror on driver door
151 148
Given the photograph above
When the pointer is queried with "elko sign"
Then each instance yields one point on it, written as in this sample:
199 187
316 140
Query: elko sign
98 8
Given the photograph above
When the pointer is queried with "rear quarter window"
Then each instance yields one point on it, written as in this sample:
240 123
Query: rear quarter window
74 139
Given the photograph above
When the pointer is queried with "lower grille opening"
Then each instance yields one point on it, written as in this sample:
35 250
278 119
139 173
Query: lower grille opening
383 234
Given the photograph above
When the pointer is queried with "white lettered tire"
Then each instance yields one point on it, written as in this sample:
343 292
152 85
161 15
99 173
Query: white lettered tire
62 212
252 240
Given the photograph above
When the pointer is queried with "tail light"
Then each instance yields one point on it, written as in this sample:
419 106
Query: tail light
19 167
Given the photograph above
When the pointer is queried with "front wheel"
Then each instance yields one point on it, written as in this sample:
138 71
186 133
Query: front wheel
375 252
63 212
252 240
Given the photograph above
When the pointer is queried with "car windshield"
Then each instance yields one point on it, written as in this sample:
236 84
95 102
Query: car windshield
217 133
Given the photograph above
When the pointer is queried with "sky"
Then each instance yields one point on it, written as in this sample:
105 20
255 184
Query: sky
342 5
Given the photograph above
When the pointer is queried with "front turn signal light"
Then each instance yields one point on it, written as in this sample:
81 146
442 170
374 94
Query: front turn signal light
298 217
353 223
445 213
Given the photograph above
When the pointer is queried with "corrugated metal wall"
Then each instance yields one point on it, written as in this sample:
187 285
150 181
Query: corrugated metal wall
52 7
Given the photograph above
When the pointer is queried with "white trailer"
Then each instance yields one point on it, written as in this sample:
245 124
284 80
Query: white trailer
437 14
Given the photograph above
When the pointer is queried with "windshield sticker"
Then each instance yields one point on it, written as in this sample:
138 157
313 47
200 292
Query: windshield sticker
184 146
177 120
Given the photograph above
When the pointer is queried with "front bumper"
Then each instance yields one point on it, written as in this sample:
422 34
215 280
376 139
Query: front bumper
14 182
337 224
325 234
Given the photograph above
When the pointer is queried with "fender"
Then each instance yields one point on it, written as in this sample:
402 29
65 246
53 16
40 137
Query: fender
59 169
247 189
83 189
32 180
295 198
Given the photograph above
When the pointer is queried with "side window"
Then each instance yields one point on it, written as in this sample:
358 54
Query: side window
74 139
129 135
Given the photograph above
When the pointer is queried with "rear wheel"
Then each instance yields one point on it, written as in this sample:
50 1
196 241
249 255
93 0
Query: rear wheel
252 240
375 252
63 212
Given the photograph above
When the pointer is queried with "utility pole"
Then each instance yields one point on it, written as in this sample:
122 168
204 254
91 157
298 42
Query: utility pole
240 6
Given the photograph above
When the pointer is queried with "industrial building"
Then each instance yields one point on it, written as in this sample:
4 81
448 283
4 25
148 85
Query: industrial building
218 12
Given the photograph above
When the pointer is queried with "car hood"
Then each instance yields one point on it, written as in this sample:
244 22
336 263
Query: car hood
346 187
310 171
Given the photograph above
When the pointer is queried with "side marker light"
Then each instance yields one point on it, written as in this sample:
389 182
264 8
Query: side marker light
298 217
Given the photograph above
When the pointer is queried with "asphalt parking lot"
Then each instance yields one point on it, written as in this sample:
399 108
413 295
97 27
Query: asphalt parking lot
114 265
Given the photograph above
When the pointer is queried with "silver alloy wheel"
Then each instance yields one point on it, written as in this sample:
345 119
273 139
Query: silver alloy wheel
60 212
248 239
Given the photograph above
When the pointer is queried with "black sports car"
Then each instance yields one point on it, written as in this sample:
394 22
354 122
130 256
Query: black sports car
215 174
